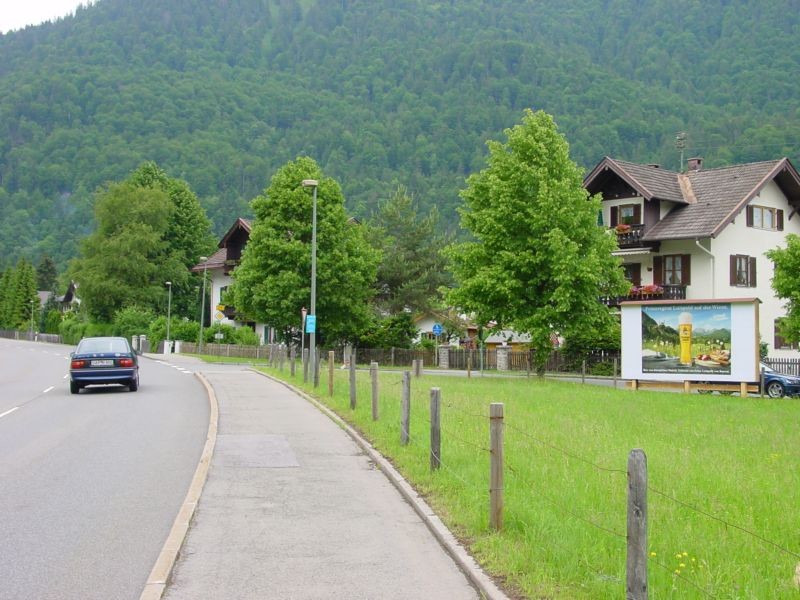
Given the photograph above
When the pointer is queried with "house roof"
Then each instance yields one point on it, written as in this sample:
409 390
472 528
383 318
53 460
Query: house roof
649 181
215 261
240 225
709 199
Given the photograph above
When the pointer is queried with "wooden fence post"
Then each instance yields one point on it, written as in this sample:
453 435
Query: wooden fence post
636 563
405 408
373 374
436 432
583 371
331 365
281 358
305 365
469 365
616 366
292 359
496 468
316 367
352 382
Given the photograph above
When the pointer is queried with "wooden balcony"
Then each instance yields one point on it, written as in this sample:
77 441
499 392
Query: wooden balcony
648 292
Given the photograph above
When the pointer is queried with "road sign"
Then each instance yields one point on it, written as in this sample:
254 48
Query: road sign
437 329
311 323
220 307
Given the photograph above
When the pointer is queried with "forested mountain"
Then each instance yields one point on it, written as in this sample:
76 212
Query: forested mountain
222 93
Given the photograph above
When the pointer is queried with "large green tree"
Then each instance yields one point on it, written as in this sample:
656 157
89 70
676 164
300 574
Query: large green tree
127 259
413 268
18 298
786 283
538 263
272 283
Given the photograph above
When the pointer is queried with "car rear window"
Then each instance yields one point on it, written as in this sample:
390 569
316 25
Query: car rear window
103 345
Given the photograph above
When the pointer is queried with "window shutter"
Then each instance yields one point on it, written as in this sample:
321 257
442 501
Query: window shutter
780 219
733 270
658 270
614 216
749 213
751 272
636 273
686 271
637 214
778 341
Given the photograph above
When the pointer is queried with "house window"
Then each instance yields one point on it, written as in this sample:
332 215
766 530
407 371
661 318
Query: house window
765 217
780 343
633 273
627 214
742 270
672 269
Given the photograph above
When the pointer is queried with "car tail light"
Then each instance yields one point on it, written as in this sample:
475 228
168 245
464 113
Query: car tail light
125 362
77 364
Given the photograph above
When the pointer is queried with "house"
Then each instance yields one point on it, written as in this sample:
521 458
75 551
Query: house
701 234
219 267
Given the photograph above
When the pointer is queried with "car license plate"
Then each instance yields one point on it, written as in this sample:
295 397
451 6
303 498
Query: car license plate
102 363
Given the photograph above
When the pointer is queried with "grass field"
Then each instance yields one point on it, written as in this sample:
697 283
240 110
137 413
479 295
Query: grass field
566 450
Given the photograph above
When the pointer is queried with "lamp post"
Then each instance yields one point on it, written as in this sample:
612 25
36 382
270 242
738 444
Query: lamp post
312 342
204 260
303 313
169 315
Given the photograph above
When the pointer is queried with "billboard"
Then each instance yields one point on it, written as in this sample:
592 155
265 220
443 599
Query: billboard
691 340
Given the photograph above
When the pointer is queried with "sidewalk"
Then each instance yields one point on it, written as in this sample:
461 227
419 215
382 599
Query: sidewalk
293 509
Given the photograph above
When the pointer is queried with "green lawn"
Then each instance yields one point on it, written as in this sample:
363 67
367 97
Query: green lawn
566 450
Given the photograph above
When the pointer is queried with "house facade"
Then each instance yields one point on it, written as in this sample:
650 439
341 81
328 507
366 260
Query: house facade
702 234
218 268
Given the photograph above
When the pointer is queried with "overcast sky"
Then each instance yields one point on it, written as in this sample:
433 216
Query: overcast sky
16 14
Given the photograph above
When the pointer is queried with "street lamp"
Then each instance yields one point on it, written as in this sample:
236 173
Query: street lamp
204 260
303 313
169 314
312 342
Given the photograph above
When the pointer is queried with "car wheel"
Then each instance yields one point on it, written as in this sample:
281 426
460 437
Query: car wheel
775 389
134 384
74 388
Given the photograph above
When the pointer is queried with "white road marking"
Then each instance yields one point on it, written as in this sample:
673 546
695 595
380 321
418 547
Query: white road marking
48 389
8 412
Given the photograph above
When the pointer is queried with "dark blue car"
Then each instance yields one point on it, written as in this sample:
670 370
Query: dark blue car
778 385
103 360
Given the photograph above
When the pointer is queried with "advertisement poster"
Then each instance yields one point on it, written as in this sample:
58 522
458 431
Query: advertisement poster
687 338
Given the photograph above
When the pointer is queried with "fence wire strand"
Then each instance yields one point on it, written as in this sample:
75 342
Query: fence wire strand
463 441
723 521
560 506
464 412
682 578
565 452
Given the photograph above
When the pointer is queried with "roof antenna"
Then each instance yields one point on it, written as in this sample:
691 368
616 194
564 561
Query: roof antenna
680 144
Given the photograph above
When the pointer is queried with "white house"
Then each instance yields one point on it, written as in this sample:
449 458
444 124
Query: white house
702 234
218 268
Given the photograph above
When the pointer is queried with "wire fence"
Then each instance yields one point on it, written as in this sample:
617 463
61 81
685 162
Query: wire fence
450 429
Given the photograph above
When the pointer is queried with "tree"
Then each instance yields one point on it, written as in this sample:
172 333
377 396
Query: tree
413 268
46 274
22 301
188 231
273 281
127 259
539 263
786 284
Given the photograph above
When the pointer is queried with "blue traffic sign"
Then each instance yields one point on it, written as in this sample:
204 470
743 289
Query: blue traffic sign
311 323
437 329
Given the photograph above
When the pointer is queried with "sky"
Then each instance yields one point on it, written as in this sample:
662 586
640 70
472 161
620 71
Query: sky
16 14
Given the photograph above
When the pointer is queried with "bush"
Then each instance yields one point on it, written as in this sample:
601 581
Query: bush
52 321
71 329
132 320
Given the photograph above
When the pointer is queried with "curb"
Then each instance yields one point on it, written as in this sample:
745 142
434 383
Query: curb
162 570
482 582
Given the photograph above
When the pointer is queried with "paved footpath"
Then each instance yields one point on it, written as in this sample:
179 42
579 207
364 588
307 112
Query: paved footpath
293 509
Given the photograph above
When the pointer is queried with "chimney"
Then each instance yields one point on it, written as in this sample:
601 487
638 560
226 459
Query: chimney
695 164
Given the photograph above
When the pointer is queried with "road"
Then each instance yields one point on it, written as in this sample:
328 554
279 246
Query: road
90 484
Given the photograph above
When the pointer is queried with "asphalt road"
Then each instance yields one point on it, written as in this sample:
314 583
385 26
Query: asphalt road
90 484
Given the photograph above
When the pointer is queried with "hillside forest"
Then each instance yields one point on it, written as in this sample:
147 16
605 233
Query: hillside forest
220 93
